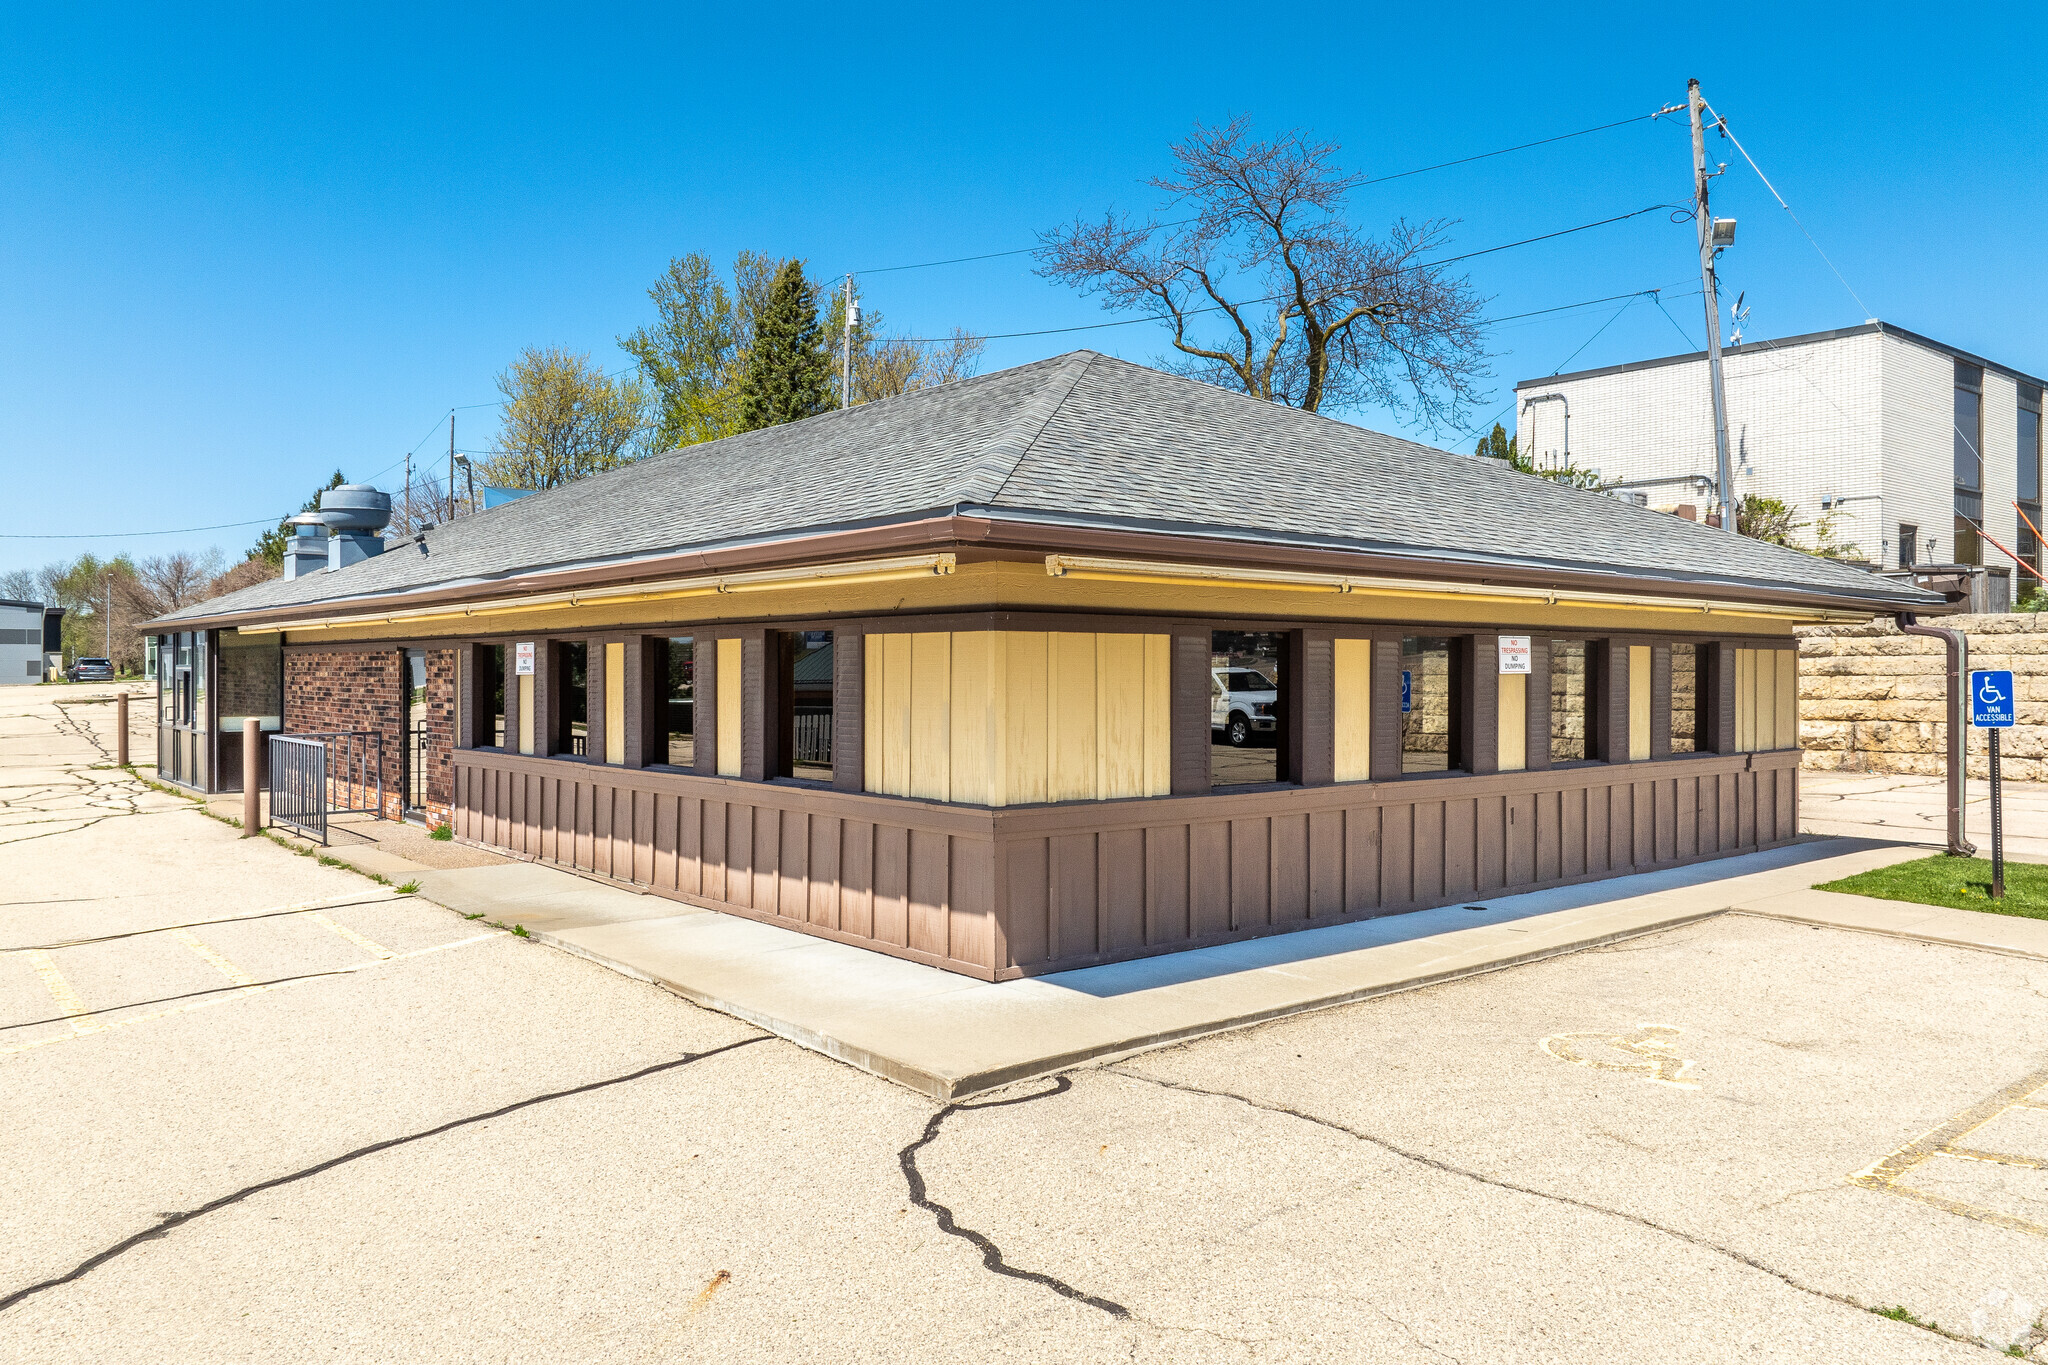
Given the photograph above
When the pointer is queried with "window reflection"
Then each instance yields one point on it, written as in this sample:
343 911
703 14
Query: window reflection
1427 701
1685 698
1244 706
680 702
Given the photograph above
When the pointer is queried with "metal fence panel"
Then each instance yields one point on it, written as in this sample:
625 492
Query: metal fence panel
315 775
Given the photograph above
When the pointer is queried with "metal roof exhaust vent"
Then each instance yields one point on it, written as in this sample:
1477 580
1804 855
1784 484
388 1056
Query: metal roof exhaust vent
355 515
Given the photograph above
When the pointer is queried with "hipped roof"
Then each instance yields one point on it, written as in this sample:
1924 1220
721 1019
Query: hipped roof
1079 441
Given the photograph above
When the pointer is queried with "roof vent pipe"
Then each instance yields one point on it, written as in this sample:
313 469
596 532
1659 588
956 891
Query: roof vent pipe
1958 646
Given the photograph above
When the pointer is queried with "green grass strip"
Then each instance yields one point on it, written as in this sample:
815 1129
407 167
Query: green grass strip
1958 883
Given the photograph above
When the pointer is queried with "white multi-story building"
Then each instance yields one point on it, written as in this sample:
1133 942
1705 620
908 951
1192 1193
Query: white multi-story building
1885 439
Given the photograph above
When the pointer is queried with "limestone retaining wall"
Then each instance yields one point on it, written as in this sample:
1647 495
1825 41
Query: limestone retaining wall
1872 699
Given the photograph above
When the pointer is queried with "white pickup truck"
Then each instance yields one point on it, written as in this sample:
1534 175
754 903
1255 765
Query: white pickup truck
1241 702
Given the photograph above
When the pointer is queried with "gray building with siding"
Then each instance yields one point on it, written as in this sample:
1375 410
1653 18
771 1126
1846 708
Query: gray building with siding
30 635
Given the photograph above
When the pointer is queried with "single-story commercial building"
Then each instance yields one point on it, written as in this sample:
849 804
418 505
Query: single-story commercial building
958 676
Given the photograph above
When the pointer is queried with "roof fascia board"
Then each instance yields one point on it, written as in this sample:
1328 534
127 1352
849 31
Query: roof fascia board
1043 533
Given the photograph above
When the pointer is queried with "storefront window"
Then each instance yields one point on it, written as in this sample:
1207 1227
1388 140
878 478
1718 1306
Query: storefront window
680 705
1244 706
251 680
572 665
1428 703
806 691
493 659
1571 700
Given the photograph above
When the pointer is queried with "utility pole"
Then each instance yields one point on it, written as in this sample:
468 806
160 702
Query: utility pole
1704 217
408 493
451 465
846 349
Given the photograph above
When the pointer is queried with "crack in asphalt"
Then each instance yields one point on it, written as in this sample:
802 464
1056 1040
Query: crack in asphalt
1449 1168
171 1221
991 1254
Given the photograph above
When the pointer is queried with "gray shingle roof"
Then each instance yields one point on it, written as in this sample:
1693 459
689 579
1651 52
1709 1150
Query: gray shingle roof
1077 438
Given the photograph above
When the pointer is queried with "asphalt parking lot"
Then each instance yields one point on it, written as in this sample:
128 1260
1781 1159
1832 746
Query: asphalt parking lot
240 1129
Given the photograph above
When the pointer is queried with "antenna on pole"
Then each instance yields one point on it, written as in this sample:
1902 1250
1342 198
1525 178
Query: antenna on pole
1713 236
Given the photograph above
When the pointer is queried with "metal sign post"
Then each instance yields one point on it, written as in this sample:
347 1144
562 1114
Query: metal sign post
1992 708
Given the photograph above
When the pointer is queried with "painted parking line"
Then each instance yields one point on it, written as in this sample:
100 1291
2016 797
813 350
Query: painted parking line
103 1026
68 1001
373 948
234 974
1946 1140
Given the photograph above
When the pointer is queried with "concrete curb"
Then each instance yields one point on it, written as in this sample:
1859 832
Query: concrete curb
947 1088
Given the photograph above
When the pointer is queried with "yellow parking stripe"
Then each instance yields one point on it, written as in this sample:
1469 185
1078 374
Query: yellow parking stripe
372 948
131 1021
60 991
219 963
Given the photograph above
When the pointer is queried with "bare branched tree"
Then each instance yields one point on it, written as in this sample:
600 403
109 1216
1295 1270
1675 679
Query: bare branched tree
889 367
1268 288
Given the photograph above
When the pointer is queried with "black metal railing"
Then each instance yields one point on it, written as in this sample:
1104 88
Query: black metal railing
313 776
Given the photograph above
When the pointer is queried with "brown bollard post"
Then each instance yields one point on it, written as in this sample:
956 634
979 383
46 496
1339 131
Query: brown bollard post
252 782
121 729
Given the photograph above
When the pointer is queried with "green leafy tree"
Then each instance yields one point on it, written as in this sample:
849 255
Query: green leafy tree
786 375
691 356
564 420
1770 520
269 546
1498 445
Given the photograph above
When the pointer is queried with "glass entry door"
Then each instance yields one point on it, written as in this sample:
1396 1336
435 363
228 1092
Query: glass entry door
415 682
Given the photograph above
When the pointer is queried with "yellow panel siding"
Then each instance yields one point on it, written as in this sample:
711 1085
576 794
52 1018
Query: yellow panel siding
1514 721
1352 711
525 688
1787 710
1024 759
972 729
1015 717
615 702
1119 715
1745 700
872 751
731 696
1638 702
931 715
1764 729
1070 717
1158 712
894 693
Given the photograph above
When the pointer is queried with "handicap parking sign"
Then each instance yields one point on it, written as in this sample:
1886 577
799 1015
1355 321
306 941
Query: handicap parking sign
1405 679
1991 698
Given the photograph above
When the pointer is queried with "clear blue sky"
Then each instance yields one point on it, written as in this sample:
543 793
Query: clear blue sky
242 247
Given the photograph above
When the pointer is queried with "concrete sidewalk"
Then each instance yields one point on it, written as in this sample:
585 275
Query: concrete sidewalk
949 1036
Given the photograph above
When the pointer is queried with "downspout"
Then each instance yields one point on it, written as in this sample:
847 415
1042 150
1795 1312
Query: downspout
1958 646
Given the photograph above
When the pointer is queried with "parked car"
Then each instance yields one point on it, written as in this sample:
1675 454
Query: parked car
1241 702
91 670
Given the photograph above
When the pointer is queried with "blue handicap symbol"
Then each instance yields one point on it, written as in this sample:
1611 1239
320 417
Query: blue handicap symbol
1405 676
1991 698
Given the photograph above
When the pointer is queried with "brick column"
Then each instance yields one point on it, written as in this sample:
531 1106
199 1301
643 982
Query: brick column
1189 735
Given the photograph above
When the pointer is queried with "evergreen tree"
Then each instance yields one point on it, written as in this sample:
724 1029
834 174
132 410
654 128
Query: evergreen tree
270 545
786 375
1499 446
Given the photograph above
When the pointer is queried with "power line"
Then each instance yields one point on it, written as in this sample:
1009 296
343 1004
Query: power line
1375 180
124 535
1723 123
1272 298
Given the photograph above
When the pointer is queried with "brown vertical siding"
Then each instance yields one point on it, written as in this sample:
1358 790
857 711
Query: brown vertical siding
1188 713
849 710
1003 893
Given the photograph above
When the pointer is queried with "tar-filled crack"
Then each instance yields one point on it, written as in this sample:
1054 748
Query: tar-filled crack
169 1222
1448 1168
991 1254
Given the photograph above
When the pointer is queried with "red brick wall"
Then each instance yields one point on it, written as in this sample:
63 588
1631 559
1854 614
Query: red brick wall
364 689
